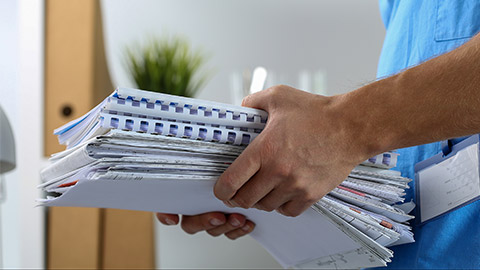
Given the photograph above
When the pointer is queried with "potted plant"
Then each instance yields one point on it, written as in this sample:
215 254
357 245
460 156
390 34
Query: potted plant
167 65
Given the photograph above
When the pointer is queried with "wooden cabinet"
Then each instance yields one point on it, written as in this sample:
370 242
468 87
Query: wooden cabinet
77 79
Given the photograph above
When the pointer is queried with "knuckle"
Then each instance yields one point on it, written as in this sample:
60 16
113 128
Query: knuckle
285 167
275 95
298 187
284 170
276 90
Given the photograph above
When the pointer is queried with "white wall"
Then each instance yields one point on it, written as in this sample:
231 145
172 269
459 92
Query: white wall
21 96
8 100
343 38
340 38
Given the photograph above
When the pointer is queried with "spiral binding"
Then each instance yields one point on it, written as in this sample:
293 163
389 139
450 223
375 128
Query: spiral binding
385 160
179 103
215 133
155 113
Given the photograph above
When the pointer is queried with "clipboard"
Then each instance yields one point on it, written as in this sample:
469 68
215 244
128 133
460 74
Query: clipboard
448 180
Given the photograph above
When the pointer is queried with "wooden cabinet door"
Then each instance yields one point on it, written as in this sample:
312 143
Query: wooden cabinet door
77 79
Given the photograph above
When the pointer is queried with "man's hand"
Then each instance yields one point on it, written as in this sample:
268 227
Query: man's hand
312 142
214 223
303 153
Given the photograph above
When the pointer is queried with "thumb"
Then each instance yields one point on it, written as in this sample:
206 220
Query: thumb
258 100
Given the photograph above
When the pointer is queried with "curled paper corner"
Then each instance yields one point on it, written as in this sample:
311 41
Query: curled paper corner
406 207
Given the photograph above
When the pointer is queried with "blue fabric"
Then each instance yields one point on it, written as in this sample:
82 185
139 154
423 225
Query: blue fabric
417 31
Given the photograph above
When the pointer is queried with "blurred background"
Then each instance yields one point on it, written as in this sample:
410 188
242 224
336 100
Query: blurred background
59 58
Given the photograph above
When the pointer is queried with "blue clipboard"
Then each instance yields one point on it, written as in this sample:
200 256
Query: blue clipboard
450 148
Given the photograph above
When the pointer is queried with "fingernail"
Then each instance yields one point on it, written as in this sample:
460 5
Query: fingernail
235 222
216 222
169 221
246 228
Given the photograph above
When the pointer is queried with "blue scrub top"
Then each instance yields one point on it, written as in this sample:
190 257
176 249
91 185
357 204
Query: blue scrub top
417 31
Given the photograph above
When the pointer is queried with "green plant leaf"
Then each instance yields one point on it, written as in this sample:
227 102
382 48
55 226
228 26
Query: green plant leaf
167 65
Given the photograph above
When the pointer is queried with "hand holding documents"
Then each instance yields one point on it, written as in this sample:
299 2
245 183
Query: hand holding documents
146 151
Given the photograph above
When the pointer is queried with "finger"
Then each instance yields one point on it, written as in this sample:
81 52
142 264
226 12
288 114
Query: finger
239 172
273 200
244 230
168 219
202 222
253 190
258 100
294 208
234 222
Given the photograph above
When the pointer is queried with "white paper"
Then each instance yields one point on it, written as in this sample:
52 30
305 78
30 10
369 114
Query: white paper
289 240
383 209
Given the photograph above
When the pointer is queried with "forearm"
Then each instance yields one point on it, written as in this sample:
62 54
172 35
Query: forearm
310 142
433 101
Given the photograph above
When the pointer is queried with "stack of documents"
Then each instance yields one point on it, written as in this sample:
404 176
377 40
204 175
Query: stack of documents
146 151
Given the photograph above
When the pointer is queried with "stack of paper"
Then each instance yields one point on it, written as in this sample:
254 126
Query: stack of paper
119 157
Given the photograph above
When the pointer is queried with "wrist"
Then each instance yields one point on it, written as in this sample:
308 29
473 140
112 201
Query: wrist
363 122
